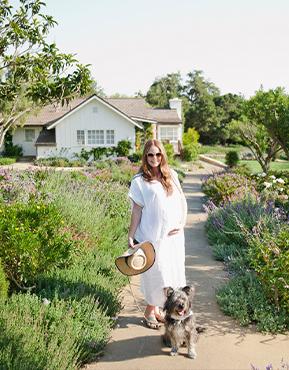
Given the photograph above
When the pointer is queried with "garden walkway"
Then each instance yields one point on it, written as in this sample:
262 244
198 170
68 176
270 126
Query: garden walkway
224 345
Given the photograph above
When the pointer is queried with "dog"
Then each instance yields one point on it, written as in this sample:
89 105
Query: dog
180 326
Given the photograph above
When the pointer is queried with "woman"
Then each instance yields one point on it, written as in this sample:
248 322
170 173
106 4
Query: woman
159 211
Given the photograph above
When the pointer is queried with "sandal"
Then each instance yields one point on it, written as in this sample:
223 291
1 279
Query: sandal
160 316
151 322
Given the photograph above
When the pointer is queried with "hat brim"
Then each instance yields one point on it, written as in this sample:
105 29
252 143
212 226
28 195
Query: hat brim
149 251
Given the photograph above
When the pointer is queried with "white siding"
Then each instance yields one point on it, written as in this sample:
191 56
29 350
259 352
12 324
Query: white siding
46 151
92 116
29 148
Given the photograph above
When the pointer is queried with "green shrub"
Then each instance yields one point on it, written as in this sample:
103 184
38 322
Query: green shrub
6 161
11 150
32 240
232 158
3 283
230 224
244 298
53 335
229 186
98 153
189 152
169 148
123 148
191 137
269 257
223 252
135 157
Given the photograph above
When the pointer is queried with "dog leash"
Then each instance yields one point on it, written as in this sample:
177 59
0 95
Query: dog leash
134 298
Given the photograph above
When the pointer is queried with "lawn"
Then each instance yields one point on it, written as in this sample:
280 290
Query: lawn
255 167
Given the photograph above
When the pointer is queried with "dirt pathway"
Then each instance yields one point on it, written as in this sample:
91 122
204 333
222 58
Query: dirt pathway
224 345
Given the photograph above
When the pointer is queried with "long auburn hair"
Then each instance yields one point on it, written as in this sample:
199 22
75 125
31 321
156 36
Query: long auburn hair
146 169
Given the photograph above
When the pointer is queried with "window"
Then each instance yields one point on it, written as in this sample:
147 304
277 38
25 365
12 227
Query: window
109 136
80 137
169 133
29 135
95 137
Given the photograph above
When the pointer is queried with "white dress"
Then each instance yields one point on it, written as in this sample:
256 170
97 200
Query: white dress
160 214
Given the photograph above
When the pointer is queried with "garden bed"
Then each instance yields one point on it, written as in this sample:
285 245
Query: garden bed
60 234
248 229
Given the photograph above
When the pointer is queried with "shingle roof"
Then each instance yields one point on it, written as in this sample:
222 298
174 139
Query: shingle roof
132 107
51 113
139 108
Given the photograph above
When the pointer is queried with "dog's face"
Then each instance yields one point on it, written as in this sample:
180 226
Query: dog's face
179 302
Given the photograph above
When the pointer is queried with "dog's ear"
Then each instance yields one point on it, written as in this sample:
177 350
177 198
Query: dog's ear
189 290
168 291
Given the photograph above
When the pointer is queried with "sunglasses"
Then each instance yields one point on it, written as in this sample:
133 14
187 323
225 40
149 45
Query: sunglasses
151 155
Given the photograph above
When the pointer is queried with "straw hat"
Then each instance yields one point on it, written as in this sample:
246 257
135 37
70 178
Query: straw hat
136 260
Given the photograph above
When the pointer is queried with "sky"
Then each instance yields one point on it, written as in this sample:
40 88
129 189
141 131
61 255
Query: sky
238 44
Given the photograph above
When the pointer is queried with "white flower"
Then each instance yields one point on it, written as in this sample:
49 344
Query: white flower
274 181
281 181
267 184
273 177
263 174
46 301
281 189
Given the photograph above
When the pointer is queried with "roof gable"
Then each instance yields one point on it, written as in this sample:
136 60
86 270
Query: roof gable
84 103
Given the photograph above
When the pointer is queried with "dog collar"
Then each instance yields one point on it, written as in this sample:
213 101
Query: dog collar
181 318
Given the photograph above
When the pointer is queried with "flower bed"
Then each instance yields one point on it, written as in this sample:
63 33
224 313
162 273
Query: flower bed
250 234
60 235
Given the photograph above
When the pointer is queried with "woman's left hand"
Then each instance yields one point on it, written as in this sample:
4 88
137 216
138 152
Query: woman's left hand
173 232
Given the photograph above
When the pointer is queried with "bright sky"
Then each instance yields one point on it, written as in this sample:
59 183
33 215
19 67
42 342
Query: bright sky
238 44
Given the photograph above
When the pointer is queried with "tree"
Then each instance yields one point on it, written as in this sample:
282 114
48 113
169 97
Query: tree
163 89
33 72
202 112
256 138
229 107
271 109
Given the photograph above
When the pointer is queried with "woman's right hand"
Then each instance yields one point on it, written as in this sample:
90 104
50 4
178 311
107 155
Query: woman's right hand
130 242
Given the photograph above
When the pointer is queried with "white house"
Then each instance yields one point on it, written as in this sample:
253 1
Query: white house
94 122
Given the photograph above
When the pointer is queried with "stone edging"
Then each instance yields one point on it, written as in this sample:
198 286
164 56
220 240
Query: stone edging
212 161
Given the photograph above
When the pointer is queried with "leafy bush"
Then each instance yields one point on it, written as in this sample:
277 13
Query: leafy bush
229 224
274 186
3 283
232 158
123 148
69 322
229 186
244 298
38 334
18 185
191 137
189 152
269 257
135 157
60 162
169 148
32 240
6 161
11 150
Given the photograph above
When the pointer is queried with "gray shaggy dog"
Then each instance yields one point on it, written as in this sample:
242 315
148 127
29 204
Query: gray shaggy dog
180 325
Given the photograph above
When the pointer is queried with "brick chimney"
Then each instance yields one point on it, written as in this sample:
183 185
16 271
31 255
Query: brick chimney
176 103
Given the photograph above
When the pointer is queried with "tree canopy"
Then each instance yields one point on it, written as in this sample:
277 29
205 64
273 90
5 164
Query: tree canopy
33 72
271 109
163 89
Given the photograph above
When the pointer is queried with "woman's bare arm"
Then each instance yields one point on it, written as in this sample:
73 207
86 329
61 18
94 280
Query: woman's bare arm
134 222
